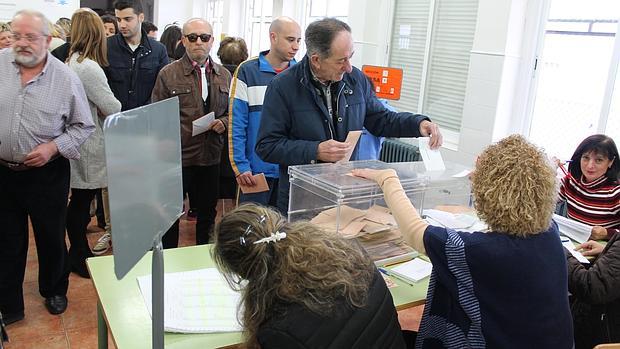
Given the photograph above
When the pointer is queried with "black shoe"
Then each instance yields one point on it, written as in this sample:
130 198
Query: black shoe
56 304
12 317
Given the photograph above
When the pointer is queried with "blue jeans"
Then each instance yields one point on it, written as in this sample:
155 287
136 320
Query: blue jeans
269 197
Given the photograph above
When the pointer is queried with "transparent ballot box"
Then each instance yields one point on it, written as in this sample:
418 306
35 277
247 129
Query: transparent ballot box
328 195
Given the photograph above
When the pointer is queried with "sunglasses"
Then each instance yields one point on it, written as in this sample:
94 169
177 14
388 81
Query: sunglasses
203 37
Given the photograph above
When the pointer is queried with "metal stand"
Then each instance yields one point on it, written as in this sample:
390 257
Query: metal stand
157 274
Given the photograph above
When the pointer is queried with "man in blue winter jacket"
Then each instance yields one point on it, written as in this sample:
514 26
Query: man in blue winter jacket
309 109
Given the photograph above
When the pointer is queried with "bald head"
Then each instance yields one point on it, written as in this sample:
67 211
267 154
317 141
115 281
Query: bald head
195 23
281 23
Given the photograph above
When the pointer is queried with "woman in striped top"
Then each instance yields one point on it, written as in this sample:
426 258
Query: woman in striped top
591 186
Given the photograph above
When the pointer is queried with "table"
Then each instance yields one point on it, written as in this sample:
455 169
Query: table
121 308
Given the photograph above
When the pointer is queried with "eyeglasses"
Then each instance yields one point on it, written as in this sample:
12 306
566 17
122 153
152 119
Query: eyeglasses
203 37
29 37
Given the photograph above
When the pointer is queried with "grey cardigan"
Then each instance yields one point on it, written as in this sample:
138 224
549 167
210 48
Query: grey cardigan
89 172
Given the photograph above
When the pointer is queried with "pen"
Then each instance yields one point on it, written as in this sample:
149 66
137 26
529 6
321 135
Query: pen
389 273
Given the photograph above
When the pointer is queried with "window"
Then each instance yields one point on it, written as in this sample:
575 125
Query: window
431 42
215 16
259 19
318 9
576 76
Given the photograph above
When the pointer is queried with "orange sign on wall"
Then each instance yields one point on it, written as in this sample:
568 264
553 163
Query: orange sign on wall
387 81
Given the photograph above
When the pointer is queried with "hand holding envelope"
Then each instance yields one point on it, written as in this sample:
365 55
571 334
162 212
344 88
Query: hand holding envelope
203 124
260 186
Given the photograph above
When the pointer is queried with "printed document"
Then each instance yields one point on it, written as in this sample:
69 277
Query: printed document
198 301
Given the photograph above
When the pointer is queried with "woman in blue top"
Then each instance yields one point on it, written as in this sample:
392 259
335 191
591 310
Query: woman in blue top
506 288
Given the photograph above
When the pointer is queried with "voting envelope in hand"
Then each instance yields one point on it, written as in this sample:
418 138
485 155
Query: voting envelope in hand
352 137
261 185
201 125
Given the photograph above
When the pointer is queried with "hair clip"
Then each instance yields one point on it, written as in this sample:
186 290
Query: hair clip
248 230
277 236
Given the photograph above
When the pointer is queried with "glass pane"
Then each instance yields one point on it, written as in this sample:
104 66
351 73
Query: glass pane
338 8
256 8
267 8
255 43
318 8
572 74
264 37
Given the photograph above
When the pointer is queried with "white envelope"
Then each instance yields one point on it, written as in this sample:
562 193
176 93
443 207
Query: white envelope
432 158
201 125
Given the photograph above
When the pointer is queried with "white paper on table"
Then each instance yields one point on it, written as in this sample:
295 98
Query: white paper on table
575 230
414 270
198 301
571 248
201 125
431 157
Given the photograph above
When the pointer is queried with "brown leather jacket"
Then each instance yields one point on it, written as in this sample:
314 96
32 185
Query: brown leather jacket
179 78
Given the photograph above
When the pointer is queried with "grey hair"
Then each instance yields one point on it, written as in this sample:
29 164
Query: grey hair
320 35
45 30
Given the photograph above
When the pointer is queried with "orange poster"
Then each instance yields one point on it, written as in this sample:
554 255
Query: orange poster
388 81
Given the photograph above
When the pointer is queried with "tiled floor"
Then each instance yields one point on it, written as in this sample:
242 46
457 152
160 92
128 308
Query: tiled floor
77 327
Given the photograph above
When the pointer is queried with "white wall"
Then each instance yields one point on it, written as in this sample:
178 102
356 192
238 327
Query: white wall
53 9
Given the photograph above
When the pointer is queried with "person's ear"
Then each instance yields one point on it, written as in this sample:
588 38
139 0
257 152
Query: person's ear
141 17
315 60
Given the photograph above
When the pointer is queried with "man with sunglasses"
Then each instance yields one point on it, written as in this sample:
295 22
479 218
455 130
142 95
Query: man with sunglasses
45 118
202 87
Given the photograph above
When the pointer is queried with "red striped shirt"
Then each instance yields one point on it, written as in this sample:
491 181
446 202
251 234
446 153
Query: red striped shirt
594 203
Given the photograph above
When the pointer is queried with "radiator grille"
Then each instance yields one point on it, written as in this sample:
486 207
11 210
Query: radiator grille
394 150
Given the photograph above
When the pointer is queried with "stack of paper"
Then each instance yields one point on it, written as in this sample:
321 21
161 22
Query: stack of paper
459 221
575 230
412 271
198 301
571 248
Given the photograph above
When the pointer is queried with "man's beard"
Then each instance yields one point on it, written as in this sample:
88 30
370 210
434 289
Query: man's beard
26 61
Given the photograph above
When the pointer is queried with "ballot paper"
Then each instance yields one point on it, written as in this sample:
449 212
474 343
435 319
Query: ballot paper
201 125
571 248
352 137
198 301
575 230
431 157
461 174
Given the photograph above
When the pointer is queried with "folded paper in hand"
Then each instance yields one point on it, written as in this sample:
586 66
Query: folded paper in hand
571 248
202 124
431 157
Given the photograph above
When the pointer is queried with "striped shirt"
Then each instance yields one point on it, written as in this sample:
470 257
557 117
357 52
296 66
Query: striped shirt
50 107
594 203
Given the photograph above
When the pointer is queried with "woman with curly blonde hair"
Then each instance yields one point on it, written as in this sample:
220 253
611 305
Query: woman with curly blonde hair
302 286
6 37
505 288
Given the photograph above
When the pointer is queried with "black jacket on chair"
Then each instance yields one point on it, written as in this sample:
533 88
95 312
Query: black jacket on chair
373 326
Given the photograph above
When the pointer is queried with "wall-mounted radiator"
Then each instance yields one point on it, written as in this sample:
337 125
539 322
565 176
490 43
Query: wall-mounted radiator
394 150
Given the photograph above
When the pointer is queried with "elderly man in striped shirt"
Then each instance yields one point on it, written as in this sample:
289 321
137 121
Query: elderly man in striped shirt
45 118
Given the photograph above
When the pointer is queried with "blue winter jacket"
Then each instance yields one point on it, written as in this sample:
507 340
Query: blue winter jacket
131 74
295 119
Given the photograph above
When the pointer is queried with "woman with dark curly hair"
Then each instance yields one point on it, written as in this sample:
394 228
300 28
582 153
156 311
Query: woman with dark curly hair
591 188
506 288
303 287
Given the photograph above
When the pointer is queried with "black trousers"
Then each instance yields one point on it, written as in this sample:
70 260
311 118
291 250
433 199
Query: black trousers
78 217
205 181
40 193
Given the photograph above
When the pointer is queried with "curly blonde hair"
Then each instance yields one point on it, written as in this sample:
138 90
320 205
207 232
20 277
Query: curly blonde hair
514 187
310 267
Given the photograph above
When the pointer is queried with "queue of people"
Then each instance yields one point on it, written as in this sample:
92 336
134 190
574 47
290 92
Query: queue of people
301 286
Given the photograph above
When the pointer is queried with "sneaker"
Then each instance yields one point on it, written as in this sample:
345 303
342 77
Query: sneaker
103 244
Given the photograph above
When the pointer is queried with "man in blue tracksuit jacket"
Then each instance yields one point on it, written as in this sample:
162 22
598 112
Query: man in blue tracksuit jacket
246 101
309 109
